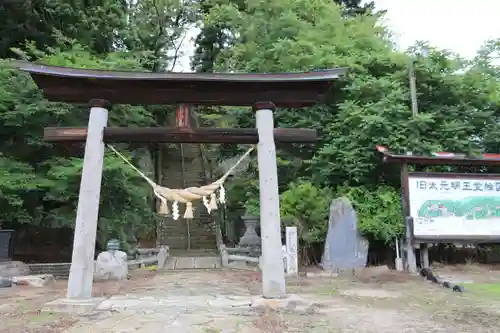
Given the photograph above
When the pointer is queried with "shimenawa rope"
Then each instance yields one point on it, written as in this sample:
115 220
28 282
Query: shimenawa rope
187 195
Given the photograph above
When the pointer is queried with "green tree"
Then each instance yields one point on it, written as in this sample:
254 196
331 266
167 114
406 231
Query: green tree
371 106
305 206
158 28
356 7
40 183
94 24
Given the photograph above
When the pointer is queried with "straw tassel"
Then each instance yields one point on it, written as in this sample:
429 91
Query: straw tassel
222 194
188 214
213 202
206 203
163 207
166 194
175 210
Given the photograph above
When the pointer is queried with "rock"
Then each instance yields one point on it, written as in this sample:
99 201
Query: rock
111 265
14 268
37 281
292 303
5 282
326 273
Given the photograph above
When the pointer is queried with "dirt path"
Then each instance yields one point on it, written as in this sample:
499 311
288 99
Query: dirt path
20 307
398 303
197 301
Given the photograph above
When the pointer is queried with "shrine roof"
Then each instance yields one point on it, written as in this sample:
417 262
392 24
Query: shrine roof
439 158
64 84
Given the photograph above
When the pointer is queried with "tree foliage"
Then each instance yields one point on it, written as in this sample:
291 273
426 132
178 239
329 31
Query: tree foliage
459 103
458 99
41 181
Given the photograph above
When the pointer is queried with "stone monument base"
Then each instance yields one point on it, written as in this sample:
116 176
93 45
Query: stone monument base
78 306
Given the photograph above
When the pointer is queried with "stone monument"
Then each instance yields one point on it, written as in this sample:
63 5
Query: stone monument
112 264
344 247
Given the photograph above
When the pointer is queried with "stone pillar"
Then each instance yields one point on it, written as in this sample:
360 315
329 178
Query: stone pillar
82 262
292 257
273 273
424 255
411 260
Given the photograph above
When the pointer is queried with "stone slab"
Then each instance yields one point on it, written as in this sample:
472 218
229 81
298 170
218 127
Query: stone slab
137 303
185 263
37 281
81 307
124 303
207 262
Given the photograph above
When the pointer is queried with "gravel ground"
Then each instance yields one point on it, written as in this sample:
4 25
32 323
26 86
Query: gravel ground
383 303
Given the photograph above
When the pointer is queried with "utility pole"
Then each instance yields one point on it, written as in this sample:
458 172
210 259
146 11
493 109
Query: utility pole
424 251
411 262
422 53
413 88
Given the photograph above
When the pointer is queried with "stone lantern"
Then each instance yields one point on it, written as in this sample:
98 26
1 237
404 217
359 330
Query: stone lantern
250 239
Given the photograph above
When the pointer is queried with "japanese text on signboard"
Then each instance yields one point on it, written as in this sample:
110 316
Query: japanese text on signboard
458 185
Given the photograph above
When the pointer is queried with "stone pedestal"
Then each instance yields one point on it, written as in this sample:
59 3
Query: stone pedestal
111 265
399 264
250 238
78 306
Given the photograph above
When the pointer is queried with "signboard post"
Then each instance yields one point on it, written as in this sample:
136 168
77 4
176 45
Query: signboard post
292 259
454 206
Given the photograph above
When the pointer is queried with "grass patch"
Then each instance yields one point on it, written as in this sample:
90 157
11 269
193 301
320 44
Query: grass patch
42 317
490 289
326 290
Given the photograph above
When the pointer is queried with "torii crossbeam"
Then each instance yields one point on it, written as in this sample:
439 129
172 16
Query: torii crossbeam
179 135
263 92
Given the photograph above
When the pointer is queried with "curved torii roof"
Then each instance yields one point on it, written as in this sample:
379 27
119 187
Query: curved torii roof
71 85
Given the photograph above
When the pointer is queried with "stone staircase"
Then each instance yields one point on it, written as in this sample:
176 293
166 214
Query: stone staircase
182 235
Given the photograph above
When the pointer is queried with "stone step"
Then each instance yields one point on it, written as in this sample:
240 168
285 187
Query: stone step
206 262
174 232
202 252
183 245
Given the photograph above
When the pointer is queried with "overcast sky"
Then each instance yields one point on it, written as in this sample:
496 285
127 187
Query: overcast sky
461 26
458 25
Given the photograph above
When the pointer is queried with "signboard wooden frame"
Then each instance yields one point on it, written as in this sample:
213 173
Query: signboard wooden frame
454 206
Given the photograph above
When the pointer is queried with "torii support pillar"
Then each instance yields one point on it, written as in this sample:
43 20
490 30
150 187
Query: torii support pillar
273 272
82 263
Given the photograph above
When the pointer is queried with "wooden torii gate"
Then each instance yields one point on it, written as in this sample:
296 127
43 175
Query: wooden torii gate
101 88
